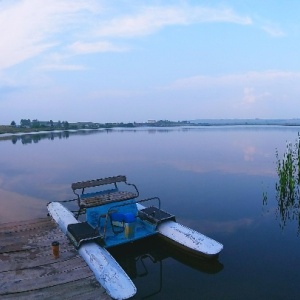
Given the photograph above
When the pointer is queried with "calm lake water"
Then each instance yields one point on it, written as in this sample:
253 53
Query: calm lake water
212 178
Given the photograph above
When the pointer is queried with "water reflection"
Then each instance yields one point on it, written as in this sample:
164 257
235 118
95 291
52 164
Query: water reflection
144 262
35 137
287 185
16 206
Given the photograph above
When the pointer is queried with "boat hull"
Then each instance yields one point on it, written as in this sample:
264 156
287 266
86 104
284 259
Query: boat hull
107 271
189 240
186 239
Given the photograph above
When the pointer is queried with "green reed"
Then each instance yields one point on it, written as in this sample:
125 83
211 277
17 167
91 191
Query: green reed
287 187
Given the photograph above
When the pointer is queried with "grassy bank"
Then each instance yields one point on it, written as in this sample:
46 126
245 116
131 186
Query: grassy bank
12 129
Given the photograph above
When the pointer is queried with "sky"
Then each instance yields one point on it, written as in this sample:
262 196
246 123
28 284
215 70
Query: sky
138 60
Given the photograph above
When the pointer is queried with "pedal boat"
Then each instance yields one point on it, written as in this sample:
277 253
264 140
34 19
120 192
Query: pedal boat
114 216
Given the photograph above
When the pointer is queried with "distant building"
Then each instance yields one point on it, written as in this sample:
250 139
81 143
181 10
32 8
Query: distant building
151 121
44 123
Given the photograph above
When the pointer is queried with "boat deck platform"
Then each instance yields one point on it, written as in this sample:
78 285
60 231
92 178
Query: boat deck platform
28 269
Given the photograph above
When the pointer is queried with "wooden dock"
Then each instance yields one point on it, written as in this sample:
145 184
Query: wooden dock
28 269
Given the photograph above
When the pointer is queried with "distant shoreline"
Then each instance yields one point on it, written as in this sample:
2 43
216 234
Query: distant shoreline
227 122
14 130
6 129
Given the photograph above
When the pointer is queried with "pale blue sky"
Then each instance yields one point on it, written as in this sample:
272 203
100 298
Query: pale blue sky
134 60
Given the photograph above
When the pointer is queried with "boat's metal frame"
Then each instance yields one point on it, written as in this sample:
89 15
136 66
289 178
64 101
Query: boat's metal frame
150 217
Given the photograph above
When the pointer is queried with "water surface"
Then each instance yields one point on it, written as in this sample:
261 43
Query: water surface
212 178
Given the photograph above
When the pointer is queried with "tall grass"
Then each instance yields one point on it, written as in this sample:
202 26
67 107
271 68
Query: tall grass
287 187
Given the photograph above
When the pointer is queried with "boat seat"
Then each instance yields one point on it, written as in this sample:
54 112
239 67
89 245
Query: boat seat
101 199
104 196
155 215
80 233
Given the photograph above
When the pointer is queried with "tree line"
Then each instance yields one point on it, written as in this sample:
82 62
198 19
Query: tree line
27 123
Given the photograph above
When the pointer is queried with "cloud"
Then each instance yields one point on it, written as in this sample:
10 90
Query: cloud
8 86
62 67
270 27
273 30
31 25
200 81
40 28
266 94
102 46
37 27
59 61
249 95
249 152
150 19
228 227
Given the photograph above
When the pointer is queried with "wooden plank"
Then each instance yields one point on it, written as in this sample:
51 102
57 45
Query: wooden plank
30 239
87 288
34 257
55 267
7 228
98 182
107 198
33 238
31 284
28 269
22 280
